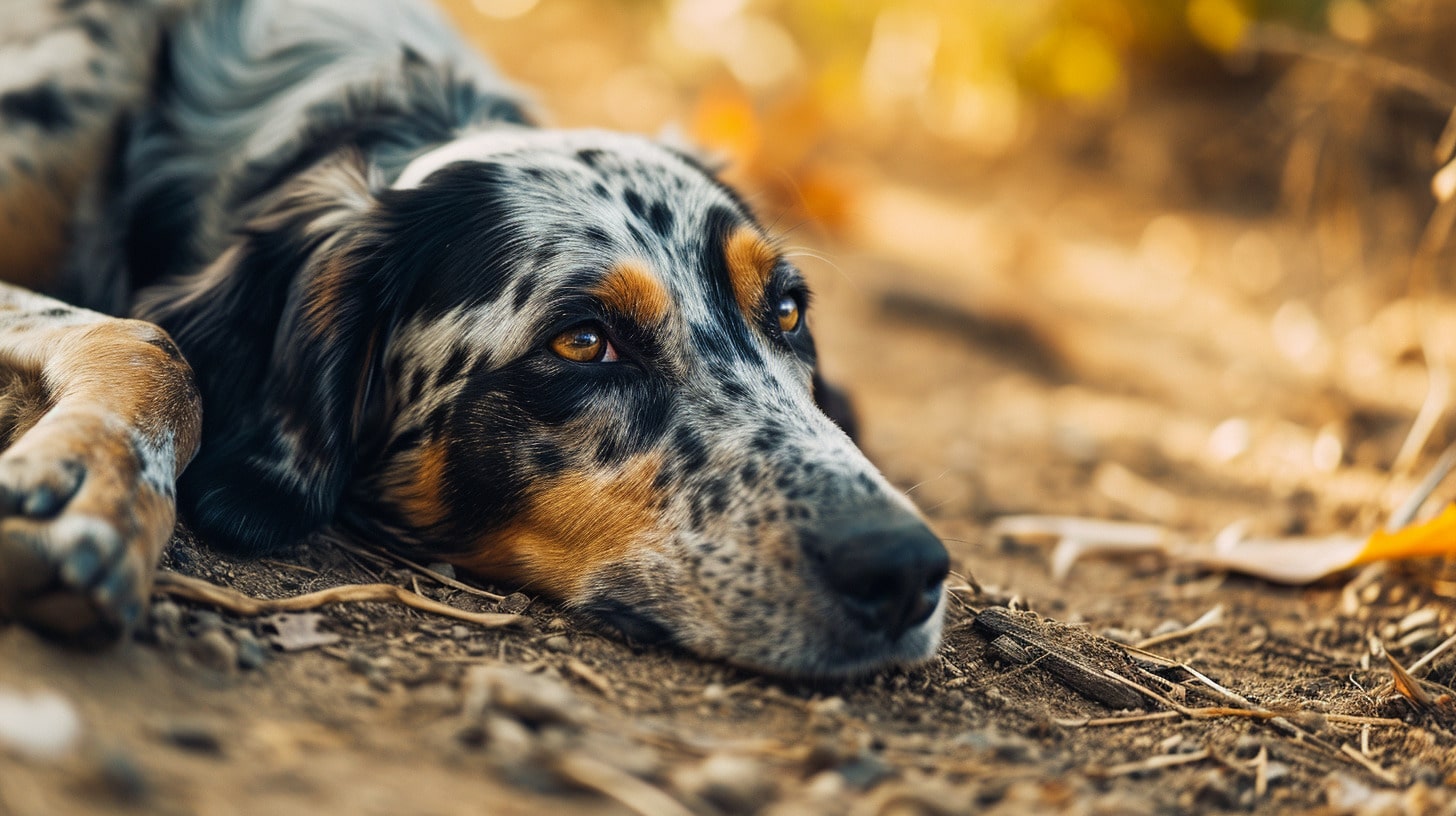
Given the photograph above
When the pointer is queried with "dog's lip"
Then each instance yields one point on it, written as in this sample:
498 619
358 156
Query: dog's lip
634 625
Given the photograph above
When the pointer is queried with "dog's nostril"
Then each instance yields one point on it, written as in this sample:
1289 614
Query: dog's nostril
888 575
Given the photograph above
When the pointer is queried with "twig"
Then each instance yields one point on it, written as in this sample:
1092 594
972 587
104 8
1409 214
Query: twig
1432 654
420 568
1131 719
623 788
591 677
1209 619
1154 763
194 589
1369 764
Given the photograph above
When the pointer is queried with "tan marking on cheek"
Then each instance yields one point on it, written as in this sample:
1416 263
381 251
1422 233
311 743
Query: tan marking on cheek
422 496
751 259
572 527
632 289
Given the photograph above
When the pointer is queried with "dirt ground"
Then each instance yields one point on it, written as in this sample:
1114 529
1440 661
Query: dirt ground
1043 336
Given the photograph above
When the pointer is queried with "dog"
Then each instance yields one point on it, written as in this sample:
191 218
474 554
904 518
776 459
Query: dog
290 265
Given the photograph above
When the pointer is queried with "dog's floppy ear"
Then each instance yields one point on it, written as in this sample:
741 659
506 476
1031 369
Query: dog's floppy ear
285 329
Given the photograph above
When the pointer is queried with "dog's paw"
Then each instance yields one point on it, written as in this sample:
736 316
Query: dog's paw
77 543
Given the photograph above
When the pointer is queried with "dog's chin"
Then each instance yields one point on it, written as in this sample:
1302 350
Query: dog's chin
634 625
860 654
843 654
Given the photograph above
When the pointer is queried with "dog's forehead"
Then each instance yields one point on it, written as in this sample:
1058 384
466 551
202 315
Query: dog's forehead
601 213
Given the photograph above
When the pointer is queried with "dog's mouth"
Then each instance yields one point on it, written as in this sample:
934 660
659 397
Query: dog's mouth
632 624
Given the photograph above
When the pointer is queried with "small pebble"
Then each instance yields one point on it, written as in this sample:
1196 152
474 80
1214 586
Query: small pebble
865 772
42 726
514 603
534 699
714 692
1126 637
251 654
215 651
196 737
1168 627
732 784
558 643
447 570
122 779
166 621
459 632
205 620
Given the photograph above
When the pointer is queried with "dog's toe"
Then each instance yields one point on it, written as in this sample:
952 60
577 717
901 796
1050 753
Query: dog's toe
38 488
72 577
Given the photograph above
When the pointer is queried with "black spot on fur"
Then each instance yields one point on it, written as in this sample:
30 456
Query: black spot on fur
692 453
589 157
635 203
454 364
597 237
417 384
601 190
43 106
661 218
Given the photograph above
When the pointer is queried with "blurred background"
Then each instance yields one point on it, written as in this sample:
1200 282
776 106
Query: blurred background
1218 222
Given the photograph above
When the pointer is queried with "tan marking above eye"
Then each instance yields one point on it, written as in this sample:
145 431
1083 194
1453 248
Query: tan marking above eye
789 314
584 344
751 259
631 289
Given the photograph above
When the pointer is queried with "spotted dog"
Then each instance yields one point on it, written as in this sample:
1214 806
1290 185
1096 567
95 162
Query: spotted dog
567 359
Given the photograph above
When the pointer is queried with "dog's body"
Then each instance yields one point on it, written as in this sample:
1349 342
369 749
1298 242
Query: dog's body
568 359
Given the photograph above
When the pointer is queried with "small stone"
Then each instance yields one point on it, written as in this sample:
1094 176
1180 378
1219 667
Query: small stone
714 692
828 706
732 784
205 620
507 739
1127 637
558 643
196 737
215 651
533 699
251 654
514 603
361 663
865 772
166 621
447 570
122 779
1167 627
42 726
459 632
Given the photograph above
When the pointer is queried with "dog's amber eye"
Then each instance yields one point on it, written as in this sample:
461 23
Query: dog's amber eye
788 313
584 344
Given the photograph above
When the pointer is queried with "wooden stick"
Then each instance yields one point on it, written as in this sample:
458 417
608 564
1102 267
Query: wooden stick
194 589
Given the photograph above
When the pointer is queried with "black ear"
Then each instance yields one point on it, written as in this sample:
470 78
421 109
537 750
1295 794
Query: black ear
285 330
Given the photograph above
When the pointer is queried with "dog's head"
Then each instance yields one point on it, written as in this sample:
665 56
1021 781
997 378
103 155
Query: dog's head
573 360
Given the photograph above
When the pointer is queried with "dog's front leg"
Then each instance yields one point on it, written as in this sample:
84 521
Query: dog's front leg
100 415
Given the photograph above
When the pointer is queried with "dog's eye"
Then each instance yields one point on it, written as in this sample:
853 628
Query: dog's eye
788 313
584 344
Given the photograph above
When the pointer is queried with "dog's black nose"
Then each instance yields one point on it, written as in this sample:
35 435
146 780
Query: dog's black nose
889 575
